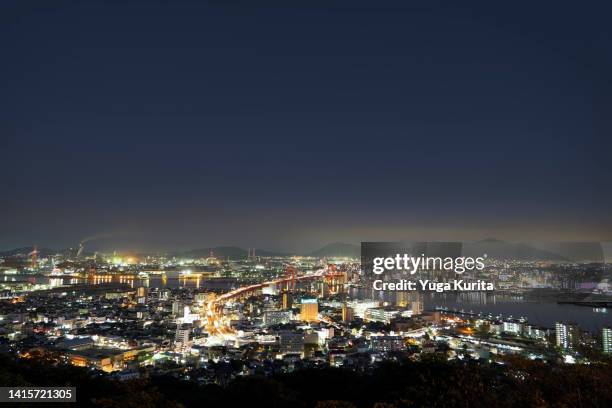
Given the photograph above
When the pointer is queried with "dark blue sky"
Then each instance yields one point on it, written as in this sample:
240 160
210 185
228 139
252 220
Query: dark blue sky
288 125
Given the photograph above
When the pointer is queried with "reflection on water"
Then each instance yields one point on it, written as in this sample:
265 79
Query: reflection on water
543 313
157 281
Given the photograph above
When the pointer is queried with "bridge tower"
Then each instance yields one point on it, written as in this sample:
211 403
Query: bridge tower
290 272
34 259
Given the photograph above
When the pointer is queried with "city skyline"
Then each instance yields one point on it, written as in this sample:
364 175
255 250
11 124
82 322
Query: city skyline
306 204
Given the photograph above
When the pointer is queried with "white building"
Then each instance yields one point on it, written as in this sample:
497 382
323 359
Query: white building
181 338
360 306
566 335
381 314
606 336
513 327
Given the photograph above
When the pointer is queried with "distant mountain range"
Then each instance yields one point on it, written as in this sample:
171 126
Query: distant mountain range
338 249
497 249
494 248
228 252
26 251
232 252
537 251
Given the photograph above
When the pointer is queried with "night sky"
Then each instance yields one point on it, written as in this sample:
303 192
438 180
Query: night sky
289 125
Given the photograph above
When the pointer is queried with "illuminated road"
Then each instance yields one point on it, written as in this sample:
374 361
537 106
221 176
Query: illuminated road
218 325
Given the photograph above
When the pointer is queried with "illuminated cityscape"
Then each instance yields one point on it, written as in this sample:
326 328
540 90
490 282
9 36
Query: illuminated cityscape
136 314
302 204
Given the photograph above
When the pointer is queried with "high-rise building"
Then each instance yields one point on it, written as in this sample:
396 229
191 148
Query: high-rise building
416 304
410 299
164 294
606 337
177 309
141 295
287 300
291 342
309 309
402 298
181 337
324 289
274 317
566 335
347 314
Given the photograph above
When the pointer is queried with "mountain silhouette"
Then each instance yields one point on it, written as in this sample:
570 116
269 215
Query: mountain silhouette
498 249
338 249
231 252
